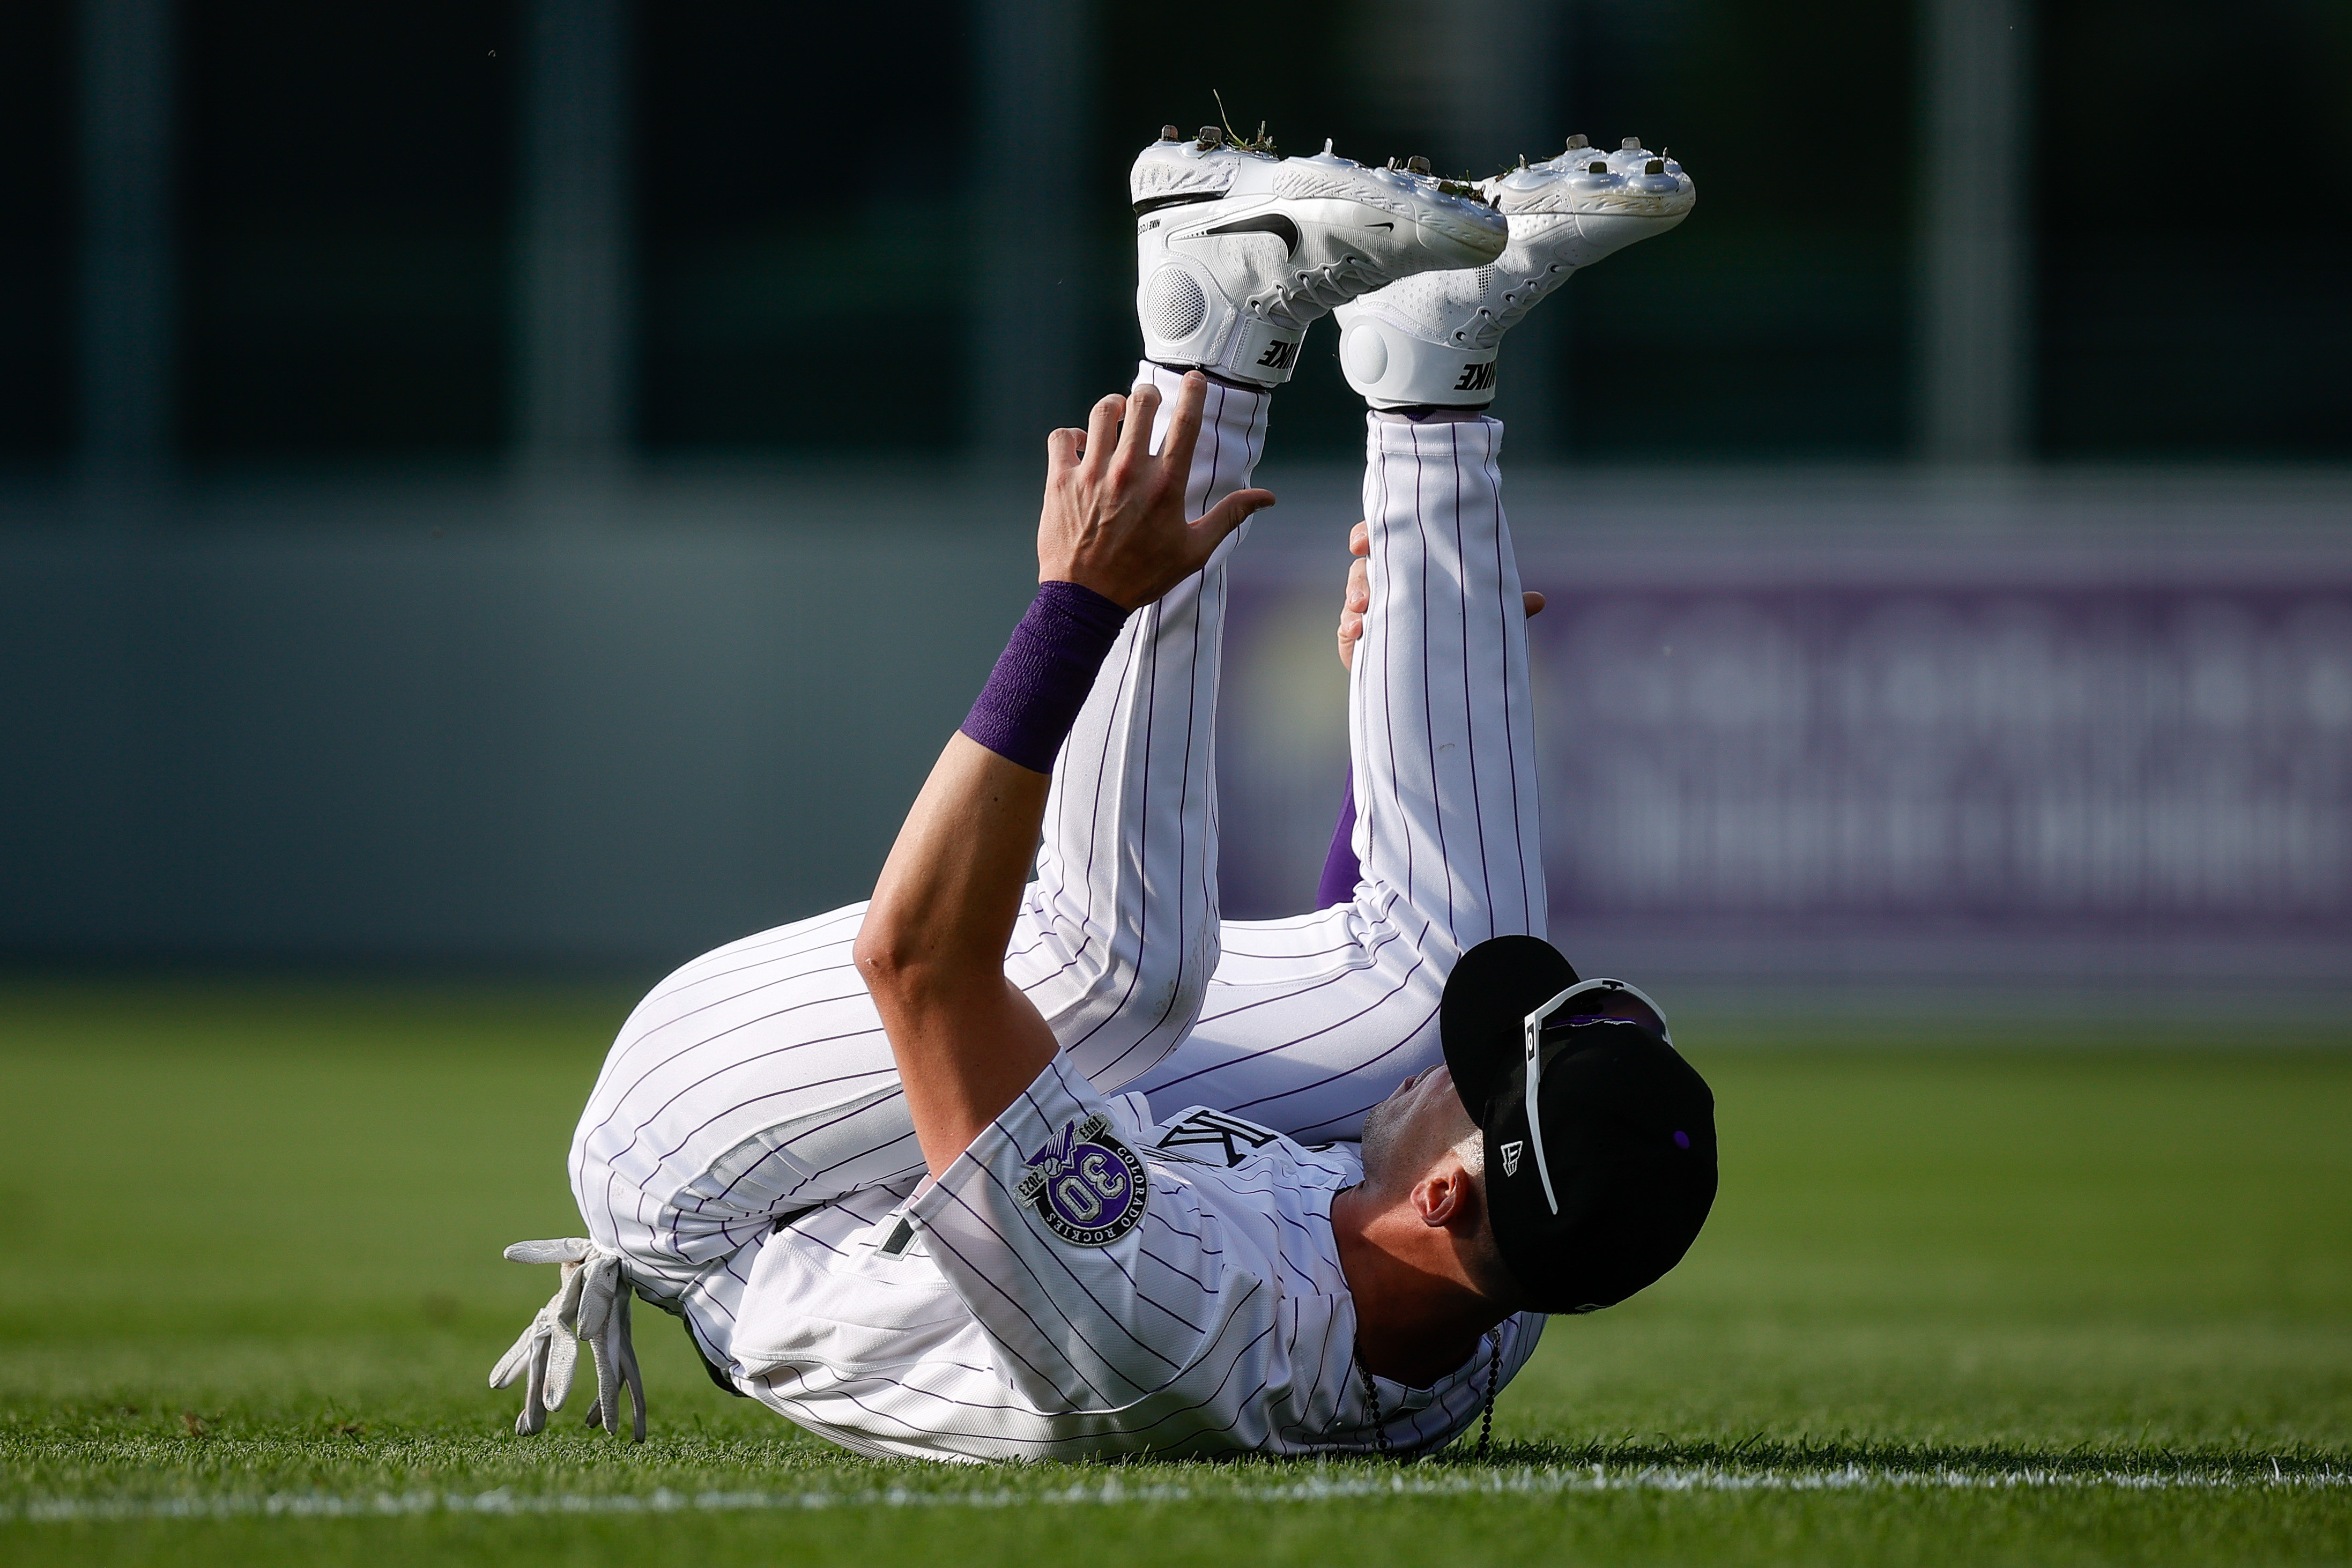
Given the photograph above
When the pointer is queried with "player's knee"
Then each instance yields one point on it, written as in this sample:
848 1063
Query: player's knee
1181 983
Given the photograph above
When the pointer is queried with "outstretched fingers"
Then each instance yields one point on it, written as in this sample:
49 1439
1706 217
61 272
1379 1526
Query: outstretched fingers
1214 526
1102 432
1183 430
1135 436
1114 518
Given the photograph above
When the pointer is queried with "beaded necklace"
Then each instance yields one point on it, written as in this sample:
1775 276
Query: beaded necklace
1486 1422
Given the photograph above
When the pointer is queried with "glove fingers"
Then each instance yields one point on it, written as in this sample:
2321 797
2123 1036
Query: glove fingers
632 1376
608 1386
569 1249
599 1281
534 1406
605 1412
562 1355
510 1364
592 1303
547 1353
567 1297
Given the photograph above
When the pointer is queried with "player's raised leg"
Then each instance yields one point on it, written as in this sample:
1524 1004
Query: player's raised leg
1312 1021
1116 936
1239 253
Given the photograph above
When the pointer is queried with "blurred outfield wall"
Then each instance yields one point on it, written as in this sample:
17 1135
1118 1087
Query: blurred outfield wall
2072 727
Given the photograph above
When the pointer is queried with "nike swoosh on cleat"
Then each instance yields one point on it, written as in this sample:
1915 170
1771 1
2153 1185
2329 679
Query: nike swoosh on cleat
1379 226
1265 223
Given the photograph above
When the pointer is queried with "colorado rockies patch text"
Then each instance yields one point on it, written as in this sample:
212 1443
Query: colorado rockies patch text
1086 1186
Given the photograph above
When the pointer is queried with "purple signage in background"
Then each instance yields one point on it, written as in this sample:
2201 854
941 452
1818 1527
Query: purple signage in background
1787 751
1895 753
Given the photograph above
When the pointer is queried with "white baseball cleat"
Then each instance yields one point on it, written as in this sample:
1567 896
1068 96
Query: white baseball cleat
1432 340
1238 253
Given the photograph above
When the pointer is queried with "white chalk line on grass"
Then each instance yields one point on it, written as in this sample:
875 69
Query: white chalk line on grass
1112 1492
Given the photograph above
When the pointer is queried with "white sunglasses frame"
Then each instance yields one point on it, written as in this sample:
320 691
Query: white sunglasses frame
1531 1028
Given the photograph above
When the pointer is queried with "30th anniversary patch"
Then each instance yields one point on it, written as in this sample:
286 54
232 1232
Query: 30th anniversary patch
1086 1186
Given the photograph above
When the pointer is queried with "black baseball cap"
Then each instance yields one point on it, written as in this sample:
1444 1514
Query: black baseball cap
1604 1186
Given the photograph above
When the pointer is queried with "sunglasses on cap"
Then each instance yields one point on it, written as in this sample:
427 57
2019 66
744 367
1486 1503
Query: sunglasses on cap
1585 1002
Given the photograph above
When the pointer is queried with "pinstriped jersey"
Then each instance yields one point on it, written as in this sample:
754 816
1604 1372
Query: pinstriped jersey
1086 1281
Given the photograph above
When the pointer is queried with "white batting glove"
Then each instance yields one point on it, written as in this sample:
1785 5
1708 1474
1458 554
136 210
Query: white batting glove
592 1302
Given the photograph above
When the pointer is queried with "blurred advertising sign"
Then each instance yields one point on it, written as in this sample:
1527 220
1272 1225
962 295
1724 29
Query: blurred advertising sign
1886 751
1777 740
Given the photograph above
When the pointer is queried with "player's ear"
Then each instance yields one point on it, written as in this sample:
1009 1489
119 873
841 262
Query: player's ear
1445 1198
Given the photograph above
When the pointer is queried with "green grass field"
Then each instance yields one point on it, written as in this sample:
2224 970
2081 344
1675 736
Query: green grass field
1974 1291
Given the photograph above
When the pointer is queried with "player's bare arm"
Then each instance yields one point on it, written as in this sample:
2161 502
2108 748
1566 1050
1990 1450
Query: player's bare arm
932 948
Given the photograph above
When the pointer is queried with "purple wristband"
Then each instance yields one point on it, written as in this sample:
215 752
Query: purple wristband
1341 871
1041 679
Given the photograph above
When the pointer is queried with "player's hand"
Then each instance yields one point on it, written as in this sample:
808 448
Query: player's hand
1114 518
1359 597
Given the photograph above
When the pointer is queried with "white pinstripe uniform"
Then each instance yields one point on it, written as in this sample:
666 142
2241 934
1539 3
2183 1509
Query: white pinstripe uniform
749 1152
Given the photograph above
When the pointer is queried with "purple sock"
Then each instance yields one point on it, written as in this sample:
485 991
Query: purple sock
1041 679
1341 871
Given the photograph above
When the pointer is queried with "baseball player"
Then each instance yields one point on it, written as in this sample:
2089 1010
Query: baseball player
995 1167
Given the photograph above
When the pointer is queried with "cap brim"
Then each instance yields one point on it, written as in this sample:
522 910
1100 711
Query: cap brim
1487 998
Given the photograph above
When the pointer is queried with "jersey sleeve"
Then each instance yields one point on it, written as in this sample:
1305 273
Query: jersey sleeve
1099 1278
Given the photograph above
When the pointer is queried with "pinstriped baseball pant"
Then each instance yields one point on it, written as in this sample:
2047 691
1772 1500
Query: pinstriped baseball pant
756 1081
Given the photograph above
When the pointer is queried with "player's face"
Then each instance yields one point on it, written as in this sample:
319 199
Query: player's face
1405 1132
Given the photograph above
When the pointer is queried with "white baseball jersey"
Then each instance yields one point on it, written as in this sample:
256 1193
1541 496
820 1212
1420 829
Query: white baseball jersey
755 1085
1085 1282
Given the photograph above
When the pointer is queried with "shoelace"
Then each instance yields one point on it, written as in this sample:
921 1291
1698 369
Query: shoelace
591 1303
1330 286
1523 295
